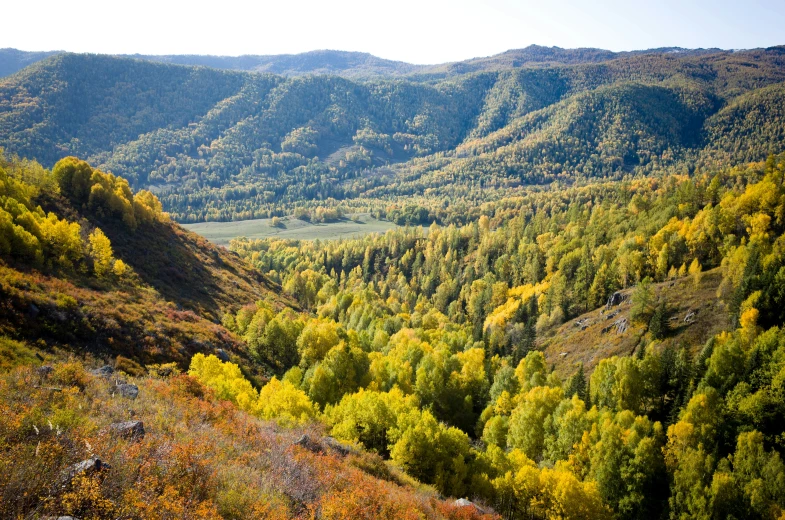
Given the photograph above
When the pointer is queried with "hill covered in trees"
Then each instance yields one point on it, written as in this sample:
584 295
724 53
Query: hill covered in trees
230 145
361 65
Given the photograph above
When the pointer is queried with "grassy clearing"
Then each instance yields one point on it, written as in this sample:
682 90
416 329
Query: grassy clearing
222 232
568 345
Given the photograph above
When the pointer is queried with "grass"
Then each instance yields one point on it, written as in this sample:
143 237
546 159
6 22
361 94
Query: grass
567 345
222 232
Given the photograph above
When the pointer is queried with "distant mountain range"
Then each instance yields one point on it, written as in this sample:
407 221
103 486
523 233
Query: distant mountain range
364 65
226 145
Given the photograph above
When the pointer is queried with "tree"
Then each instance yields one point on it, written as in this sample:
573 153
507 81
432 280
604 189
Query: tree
283 402
528 420
101 253
659 324
642 302
432 453
696 272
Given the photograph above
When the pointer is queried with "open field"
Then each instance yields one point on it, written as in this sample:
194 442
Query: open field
222 232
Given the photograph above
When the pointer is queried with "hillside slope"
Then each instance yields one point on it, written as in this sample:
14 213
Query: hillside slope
695 315
178 451
75 277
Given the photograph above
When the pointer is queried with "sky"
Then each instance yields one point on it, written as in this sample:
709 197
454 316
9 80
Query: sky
416 31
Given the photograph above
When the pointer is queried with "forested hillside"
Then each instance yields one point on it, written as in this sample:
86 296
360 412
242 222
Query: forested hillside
617 343
590 327
362 65
224 145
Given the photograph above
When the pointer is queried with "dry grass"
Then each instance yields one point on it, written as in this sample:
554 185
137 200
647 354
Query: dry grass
200 458
568 345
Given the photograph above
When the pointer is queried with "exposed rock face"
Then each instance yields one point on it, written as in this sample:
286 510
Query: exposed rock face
614 300
128 429
690 317
338 447
621 325
127 391
462 502
222 355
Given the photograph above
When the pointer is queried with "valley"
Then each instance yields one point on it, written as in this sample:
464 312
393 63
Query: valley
353 226
545 284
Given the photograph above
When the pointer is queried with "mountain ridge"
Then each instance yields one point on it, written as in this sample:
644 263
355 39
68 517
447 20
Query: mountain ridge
359 65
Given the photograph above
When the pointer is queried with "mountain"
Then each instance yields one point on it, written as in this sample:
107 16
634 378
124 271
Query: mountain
361 65
226 145
321 62
13 60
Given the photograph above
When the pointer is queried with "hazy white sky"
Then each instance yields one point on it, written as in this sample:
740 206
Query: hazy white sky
417 31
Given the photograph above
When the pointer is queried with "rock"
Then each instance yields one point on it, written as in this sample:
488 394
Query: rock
621 325
222 355
338 447
462 502
563 354
86 467
614 299
128 429
690 317
127 391
104 371
59 518
33 311
309 444
44 371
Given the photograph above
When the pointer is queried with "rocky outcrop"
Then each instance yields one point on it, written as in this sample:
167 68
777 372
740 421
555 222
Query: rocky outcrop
309 444
463 502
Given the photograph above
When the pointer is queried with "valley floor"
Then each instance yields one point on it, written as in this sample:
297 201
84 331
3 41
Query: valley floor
221 233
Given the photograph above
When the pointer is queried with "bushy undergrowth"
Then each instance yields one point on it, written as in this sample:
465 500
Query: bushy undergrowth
201 457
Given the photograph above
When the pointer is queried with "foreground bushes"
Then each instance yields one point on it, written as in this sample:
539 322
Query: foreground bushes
200 458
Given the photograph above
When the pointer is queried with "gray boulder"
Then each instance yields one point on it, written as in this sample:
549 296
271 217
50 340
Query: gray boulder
44 371
222 355
128 430
338 447
104 371
462 502
127 391
87 467
615 299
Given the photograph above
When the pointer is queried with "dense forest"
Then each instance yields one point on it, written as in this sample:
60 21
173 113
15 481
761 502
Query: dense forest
580 317
424 350
225 145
